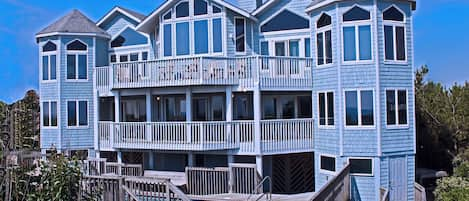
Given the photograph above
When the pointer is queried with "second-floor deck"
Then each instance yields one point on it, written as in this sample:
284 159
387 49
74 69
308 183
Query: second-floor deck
276 136
247 72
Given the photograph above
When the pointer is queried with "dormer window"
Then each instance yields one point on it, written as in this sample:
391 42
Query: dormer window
200 7
324 40
285 20
49 61
394 35
357 35
77 66
182 10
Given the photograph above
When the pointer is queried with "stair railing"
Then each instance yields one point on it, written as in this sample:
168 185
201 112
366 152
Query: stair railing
267 195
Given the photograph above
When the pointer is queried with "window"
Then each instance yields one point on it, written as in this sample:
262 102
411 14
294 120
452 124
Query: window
307 47
361 166
216 9
324 40
326 109
129 37
285 20
396 114
182 9
265 48
394 35
327 163
243 106
182 38
240 34
200 7
113 58
357 35
49 47
49 67
77 113
201 36
294 48
304 107
167 16
77 66
167 40
359 108
217 35
49 114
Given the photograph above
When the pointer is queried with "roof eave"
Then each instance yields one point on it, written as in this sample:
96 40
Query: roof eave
117 9
327 2
42 35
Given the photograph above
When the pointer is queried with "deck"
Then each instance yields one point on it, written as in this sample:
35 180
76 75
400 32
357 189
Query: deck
244 197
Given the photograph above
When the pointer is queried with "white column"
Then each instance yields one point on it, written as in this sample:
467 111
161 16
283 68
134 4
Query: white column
148 104
117 103
260 169
257 119
230 159
119 157
188 112
151 160
229 106
190 159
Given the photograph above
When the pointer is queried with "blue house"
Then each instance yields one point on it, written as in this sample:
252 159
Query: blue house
299 88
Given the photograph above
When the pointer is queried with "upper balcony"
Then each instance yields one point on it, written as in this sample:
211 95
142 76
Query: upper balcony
265 71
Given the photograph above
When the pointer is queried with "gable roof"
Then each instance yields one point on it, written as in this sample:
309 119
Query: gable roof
264 6
320 3
74 22
138 17
152 19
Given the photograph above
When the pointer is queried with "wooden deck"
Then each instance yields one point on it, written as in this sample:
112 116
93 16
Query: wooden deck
244 197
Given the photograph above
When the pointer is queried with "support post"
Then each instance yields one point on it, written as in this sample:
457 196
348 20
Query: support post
259 167
148 134
188 113
257 121
231 138
190 159
230 159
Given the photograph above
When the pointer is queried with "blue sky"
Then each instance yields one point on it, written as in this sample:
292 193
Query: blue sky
441 40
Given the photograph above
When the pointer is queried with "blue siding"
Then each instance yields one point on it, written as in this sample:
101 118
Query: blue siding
117 23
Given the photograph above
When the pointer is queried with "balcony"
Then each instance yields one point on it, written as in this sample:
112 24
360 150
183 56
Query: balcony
283 72
277 136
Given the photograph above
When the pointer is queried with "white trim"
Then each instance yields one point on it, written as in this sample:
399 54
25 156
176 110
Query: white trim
72 34
327 2
263 7
328 171
77 111
117 9
245 36
282 31
359 112
394 25
57 107
76 53
128 46
326 125
362 174
396 125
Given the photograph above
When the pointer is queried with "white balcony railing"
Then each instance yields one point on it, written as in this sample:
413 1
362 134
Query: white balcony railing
285 72
277 136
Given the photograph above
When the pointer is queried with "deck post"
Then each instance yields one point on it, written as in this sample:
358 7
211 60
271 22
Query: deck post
257 121
190 159
188 113
117 103
229 117
148 133
259 167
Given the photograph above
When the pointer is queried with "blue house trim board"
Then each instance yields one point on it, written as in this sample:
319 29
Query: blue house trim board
280 84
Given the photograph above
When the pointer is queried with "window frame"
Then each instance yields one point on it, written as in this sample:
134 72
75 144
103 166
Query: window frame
128 46
50 114
76 54
357 24
48 54
324 171
359 108
326 125
77 105
245 36
274 33
323 30
394 25
396 107
363 174
128 53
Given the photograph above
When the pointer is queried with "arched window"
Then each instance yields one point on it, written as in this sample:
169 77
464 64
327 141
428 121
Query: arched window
285 20
324 20
77 46
77 61
357 37
167 16
394 35
49 47
200 7
356 14
182 9
324 40
129 37
216 9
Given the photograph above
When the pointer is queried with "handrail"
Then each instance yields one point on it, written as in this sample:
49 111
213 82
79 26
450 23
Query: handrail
261 184
127 190
181 195
384 194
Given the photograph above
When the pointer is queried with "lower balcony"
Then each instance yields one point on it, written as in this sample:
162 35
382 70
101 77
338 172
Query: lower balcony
276 136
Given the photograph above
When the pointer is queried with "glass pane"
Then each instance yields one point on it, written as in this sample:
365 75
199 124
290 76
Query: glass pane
201 36
288 108
280 49
294 48
82 70
216 9
182 38
265 48
129 37
400 42
356 13
113 58
320 45
45 113
240 35
330 108
324 20
304 107
200 7
167 16
83 113
53 111
390 107
144 56
393 14
217 36
365 42
402 107
133 109
367 108
328 163
167 40
76 45
270 107
351 111
53 67
307 47
361 166
71 67
285 20
72 113
200 108
349 44
243 107
182 9
389 42
134 57
322 109
124 58
328 41
45 68
218 105
49 46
